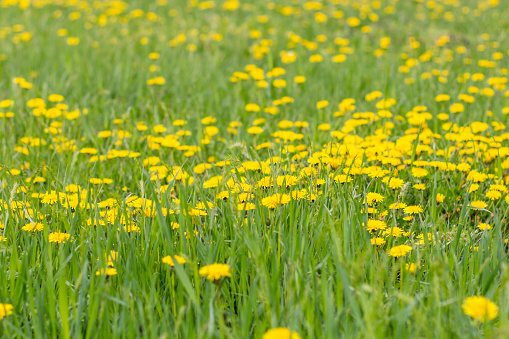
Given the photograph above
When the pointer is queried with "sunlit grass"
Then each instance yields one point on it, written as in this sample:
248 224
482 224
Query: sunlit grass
249 169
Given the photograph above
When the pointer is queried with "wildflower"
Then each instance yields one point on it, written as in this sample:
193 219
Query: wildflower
248 206
480 308
411 268
440 197
5 310
419 187
265 182
59 237
159 129
372 198
324 127
169 260
215 271
299 194
493 195
442 98
50 199
397 206
395 183
213 182
33 227
275 200
375 225
287 180
252 108
377 241
342 178
394 231
280 333
500 188
156 81
419 172
399 251
322 104
473 188
255 130
112 257
243 197
279 83
413 209
483 226
224 195
478 204
208 120
299 79
107 271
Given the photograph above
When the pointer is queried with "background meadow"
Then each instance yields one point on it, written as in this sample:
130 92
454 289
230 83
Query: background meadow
254 169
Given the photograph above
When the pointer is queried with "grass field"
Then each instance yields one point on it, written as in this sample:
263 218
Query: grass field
254 169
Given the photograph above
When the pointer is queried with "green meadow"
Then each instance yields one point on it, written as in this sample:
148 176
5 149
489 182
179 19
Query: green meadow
254 169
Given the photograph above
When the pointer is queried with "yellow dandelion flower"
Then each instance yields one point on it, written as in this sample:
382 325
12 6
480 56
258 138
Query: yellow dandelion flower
169 260
480 308
215 271
399 251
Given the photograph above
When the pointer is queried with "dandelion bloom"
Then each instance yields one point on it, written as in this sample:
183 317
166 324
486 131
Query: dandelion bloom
413 209
246 206
480 308
5 310
442 98
419 187
397 206
33 227
252 108
399 251
255 130
478 204
108 271
483 226
411 268
419 172
59 237
396 183
440 197
276 200
169 260
377 241
372 198
215 271
375 225
493 195
394 231
280 333
322 104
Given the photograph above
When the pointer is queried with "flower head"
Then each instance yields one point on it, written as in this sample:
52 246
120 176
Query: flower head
107 271
5 310
399 251
480 308
377 241
169 260
413 209
280 333
215 271
478 204
59 237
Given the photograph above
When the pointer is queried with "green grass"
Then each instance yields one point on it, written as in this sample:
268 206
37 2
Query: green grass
309 265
